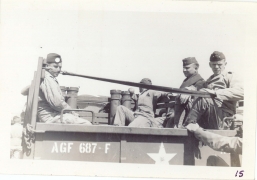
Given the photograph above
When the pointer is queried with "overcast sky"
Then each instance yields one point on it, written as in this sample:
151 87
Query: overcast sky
125 40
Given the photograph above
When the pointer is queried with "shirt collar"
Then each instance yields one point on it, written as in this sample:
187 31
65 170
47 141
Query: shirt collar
51 76
48 74
191 76
143 91
221 74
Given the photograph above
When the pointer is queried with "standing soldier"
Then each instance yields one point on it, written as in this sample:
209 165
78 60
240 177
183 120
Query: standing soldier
51 101
193 81
226 89
16 136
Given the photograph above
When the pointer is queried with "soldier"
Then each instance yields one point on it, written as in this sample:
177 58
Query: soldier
215 141
144 115
51 101
226 89
193 81
16 136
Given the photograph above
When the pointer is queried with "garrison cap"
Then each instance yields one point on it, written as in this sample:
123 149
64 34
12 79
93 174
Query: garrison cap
189 60
146 81
53 58
217 56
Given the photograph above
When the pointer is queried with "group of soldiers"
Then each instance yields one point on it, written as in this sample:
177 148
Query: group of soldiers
225 88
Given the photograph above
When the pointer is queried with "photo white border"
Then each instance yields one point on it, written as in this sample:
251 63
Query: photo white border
69 168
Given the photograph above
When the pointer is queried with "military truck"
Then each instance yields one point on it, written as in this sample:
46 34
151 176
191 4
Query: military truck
104 142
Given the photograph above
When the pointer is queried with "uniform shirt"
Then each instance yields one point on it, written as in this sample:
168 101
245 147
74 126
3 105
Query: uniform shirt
229 89
218 142
147 101
16 135
194 83
51 101
195 80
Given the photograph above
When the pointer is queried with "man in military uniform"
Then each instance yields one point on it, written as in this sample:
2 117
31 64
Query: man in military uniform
193 81
51 101
144 115
16 138
226 89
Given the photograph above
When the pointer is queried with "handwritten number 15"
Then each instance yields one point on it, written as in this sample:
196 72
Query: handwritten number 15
239 173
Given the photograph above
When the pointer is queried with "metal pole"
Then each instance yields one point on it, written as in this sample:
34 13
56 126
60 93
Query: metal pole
154 87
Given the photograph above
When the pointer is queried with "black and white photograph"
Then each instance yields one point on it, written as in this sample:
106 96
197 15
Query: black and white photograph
129 89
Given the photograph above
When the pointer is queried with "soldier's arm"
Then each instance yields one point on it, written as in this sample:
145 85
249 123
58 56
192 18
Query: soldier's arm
184 98
52 96
218 142
159 95
200 84
235 92
134 97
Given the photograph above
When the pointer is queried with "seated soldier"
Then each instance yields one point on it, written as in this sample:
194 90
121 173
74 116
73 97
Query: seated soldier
193 81
226 89
144 115
51 101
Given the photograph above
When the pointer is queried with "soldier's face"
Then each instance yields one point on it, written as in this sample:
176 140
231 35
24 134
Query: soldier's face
218 66
189 70
54 69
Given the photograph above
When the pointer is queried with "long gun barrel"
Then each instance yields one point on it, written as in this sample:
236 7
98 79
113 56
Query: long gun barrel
153 87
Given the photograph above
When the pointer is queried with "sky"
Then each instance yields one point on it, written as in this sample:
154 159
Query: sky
118 40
